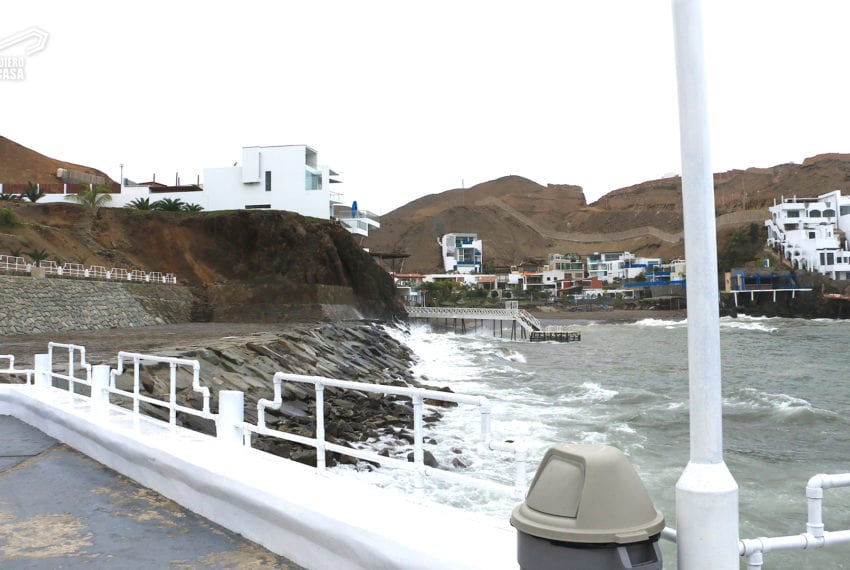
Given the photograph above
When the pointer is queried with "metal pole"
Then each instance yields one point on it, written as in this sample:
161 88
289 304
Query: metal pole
706 493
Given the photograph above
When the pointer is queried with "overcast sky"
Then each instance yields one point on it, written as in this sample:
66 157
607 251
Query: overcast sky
412 98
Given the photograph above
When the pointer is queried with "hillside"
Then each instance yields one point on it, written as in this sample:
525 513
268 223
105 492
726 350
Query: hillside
520 220
20 165
242 265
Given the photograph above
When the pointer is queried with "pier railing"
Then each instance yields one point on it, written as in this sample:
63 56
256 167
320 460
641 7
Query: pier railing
418 397
101 383
528 321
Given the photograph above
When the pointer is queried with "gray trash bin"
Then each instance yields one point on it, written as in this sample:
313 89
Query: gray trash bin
587 509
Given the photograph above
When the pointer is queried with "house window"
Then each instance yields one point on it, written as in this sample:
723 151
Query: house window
811 235
312 181
268 180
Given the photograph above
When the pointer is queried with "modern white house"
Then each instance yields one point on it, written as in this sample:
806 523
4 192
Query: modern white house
284 177
810 233
608 266
462 252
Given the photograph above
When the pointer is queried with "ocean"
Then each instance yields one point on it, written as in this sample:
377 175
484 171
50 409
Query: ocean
786 397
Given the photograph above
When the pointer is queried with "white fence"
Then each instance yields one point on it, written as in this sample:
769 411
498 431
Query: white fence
16 264
101 381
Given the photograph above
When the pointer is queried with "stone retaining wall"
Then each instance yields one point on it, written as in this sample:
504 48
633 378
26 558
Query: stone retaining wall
31 306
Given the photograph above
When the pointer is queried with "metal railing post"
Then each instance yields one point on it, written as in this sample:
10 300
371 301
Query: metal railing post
320 426
418 451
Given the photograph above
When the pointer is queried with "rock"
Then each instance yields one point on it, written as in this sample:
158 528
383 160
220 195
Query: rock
427 458
459 463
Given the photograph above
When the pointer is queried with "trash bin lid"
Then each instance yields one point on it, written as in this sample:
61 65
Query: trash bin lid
587 493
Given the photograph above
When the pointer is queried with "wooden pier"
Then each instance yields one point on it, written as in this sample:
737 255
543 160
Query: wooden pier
522 323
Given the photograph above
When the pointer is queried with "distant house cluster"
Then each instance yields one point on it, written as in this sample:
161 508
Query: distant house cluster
286 177
811 233
562 275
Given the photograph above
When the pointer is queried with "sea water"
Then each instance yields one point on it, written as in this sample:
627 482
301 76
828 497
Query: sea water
786 396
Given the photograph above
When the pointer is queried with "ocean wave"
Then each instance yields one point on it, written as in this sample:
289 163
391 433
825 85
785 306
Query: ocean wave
588 392
659 323
780 405
747 326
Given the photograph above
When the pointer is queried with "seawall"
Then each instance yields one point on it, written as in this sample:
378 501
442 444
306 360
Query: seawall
31 306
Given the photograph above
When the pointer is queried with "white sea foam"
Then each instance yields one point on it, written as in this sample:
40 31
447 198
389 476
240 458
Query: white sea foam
747 326
659 323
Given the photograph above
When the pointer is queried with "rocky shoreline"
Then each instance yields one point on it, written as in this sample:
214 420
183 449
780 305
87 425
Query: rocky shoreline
357 351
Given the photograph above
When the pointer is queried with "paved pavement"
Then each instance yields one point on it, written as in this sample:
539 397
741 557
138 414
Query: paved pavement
60 509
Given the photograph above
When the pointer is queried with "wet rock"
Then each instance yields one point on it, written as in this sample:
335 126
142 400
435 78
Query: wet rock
427 458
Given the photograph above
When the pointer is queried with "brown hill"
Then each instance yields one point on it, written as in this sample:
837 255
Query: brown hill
20 165
519 219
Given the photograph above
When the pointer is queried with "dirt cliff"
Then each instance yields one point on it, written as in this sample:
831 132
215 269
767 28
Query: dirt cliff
260 266
521 220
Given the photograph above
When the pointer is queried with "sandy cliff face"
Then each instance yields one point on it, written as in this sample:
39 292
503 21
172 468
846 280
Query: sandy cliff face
519 219
245 265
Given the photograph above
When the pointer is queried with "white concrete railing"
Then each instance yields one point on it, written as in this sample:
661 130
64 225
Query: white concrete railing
101 379
418 396
79 271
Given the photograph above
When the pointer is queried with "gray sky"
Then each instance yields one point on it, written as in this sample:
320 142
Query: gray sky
411 98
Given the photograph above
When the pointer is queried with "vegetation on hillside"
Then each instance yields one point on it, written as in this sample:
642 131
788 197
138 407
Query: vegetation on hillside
742 248
94 197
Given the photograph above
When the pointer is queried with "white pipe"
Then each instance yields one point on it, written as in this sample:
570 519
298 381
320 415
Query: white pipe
814 498
706 493
417 395
418 451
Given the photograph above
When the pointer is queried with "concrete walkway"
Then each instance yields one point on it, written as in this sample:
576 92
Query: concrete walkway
60 509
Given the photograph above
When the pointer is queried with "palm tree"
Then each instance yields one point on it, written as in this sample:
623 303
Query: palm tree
93 198
192 208
33 193
168 205
143 203
37 256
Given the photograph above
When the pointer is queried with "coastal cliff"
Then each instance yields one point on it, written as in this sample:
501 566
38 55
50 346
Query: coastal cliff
241 266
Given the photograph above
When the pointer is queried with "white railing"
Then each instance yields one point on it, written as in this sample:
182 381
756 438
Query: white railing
171 403
523 317
10 369
14 263
418 397
73 349
814 537
73 270
231 427
98 272
137 275
79 271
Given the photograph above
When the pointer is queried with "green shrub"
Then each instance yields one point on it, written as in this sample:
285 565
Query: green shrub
7 217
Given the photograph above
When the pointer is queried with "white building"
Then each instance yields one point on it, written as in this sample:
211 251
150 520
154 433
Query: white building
623 266
810 233
462 253
286 177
